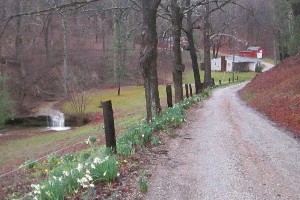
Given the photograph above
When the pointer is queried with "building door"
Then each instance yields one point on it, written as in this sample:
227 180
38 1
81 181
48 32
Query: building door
223 64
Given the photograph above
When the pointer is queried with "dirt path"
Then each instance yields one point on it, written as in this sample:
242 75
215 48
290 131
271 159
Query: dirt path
228 151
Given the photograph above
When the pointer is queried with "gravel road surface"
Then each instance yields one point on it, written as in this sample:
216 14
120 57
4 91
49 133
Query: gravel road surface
267 66
226 150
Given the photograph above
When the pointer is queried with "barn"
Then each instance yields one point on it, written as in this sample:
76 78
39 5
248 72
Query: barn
252 52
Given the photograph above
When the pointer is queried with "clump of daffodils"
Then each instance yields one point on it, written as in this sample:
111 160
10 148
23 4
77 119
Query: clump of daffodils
86 180
91 140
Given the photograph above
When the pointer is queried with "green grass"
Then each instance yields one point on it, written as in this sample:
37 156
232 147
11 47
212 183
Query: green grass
129 109
223 76
132 99
268 60
33 147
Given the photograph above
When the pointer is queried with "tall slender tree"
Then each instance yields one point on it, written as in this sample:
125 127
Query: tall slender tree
178 67
148 57
189 33
66 56
206 42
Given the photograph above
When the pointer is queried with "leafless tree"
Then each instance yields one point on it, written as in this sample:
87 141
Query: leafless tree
148 57
189 30
178 67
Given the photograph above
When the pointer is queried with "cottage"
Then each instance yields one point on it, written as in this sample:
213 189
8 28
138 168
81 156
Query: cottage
234 63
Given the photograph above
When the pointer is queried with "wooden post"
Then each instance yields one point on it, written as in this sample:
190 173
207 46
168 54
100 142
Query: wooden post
237 78
213 81
191 90
109 126
233 77
220 82
187 90
169 95
229 80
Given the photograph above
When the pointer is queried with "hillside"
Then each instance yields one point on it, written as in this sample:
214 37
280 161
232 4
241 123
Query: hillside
276 93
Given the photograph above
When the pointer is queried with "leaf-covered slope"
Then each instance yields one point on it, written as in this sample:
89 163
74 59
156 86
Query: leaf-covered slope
276 93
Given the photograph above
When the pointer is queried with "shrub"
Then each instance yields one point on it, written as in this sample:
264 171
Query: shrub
259 67
143 182
78 102
155 140
30 164
6 105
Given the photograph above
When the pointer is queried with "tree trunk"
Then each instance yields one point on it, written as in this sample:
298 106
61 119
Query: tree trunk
207 61
296 8
116 47
65 67
218 46
178 67
148 57
103 38
46 36
19 48
192 49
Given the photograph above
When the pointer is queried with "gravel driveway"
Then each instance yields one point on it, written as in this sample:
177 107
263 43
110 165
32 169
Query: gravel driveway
267 66
226 150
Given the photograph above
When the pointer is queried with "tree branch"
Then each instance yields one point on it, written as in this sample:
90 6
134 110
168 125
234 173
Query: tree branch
59 8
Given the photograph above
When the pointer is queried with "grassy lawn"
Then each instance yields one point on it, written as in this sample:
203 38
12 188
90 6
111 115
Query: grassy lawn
268 60
223 76
129 109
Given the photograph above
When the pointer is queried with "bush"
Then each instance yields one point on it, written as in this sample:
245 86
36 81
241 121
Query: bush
6 105
78 103
259 67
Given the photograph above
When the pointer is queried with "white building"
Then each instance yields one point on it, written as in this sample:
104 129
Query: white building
234 63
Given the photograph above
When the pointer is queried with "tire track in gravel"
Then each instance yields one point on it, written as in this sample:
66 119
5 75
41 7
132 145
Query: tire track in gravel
227 150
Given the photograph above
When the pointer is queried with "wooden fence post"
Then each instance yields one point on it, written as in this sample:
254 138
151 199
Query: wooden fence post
237 78
229 80
191 90
169 95
233 77
109 126
220 82
187 90
213 81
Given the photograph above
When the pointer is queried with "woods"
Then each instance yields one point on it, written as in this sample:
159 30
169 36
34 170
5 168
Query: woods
48 48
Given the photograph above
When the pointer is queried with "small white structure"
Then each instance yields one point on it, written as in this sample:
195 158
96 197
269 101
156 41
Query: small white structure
234 63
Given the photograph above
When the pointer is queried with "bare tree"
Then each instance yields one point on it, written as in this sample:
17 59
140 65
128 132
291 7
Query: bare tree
148 57
189 33
119 43
178 67
65 55
206 42
209 7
